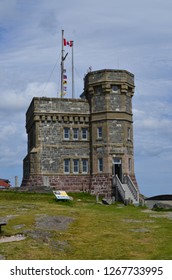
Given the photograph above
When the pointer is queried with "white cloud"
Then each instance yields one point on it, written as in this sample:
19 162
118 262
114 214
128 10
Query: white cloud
16 101
13 107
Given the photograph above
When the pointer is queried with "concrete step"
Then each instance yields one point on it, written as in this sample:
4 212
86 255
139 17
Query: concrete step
128 193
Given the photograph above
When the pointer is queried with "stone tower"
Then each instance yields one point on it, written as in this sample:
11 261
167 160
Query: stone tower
84 144
109 94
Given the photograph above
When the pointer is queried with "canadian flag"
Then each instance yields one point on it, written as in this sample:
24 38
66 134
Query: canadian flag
67 43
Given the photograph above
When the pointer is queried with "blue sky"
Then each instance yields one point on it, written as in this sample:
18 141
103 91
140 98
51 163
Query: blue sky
132 35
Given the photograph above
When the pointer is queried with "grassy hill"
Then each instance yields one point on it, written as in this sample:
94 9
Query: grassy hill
81 229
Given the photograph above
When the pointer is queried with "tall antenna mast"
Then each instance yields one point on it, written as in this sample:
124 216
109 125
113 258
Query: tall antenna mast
63 57
62 64
73 89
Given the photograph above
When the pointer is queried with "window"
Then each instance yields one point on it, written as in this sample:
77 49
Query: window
99 132
76 166
84 165
129 133
66 133
84 133
75 133
67 166
100 164
129 164
115 89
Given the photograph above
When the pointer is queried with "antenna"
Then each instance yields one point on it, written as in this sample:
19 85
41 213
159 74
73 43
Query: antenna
62 64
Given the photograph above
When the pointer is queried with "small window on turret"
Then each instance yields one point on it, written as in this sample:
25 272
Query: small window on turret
100 165
129 164
115 89
99 132
129 133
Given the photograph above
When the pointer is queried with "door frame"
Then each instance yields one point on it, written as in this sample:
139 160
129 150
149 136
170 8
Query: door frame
117 167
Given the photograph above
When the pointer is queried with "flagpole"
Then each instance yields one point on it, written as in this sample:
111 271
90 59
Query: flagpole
73 89
62 64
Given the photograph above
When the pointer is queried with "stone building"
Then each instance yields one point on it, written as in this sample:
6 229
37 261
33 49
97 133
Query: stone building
84 144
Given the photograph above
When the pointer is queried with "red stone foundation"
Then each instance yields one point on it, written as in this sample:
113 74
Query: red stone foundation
69 183
101 184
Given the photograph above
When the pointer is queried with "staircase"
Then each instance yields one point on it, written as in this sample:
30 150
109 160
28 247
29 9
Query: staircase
127 189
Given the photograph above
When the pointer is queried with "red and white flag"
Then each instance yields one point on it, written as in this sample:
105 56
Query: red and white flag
67 43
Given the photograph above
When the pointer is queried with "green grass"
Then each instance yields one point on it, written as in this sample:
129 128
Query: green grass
97 231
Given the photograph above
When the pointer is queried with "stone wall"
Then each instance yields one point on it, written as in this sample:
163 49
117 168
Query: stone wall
101 184
69 183
46 120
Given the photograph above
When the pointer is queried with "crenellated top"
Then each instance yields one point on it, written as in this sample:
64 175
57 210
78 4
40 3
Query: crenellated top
109 75
57 110
109 91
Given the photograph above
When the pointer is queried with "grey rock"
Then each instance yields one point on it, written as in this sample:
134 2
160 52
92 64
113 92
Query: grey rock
160 205
107 201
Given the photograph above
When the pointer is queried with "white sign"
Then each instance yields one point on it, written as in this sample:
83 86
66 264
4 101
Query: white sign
61 195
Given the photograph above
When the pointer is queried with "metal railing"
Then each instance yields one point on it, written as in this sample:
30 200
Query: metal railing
118 184
131 186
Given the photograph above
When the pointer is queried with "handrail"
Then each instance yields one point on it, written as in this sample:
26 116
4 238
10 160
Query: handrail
132 187
119 186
